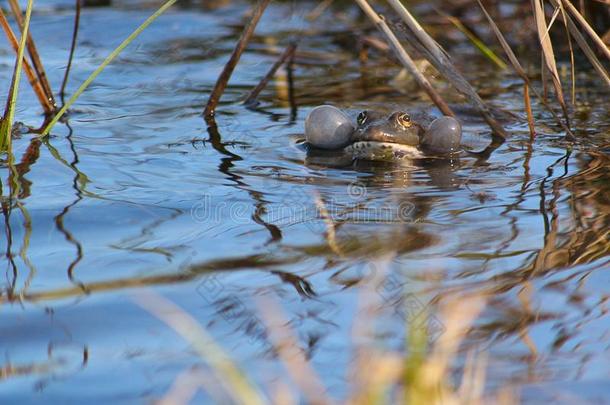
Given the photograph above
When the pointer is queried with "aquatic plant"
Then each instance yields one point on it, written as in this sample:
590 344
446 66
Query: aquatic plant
411 28
419 375
54 116
6 123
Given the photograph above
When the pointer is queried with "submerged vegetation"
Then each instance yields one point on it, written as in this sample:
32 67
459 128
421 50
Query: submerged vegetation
567 35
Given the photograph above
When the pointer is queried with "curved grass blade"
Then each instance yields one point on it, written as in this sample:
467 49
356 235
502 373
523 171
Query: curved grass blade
571 48
9 112
105 63
239 386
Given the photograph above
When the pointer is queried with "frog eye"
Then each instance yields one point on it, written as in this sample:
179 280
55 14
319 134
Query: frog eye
362 118
404 119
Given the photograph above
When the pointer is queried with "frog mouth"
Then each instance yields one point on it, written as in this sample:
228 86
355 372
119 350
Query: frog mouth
383 145
399 137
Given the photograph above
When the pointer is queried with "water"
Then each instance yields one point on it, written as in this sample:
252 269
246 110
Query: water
137 195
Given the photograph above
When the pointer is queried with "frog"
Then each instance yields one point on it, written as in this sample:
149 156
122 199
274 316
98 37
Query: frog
379 136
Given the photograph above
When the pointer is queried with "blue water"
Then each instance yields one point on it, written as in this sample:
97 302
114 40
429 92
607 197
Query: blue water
136 195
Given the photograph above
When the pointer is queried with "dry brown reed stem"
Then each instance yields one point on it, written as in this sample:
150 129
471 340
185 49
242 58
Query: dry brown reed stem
549 55
443 64
584 46
516 66
288 53
379 45
64 82
528 109
29 72
572 62
36 62
404 57
523 75
581 20
319 10
226 73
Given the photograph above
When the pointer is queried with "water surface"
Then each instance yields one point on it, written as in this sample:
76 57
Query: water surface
135 193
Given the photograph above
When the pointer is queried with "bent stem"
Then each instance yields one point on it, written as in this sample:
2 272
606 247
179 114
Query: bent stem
404 57
442 62
105 63
35 57
64 82
227 71
29 71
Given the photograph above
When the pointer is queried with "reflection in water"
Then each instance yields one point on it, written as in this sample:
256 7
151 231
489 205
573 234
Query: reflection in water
8 231
225 168
62 360
525 223
59 219
29 158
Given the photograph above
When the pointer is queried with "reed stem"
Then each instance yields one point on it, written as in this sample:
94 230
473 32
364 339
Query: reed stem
404 57
225 75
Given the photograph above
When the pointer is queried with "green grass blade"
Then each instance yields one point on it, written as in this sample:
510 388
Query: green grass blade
7 121
105 63
237 383
484 49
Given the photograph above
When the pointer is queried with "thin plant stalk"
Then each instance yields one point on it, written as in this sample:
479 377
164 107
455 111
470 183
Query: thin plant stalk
9 115
484 49
64 82
584 46
516 66
288 53
240 47
528 109
103 65
32 78
404 58
443 64
31 46
572 63
549 55
521 72
581 20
